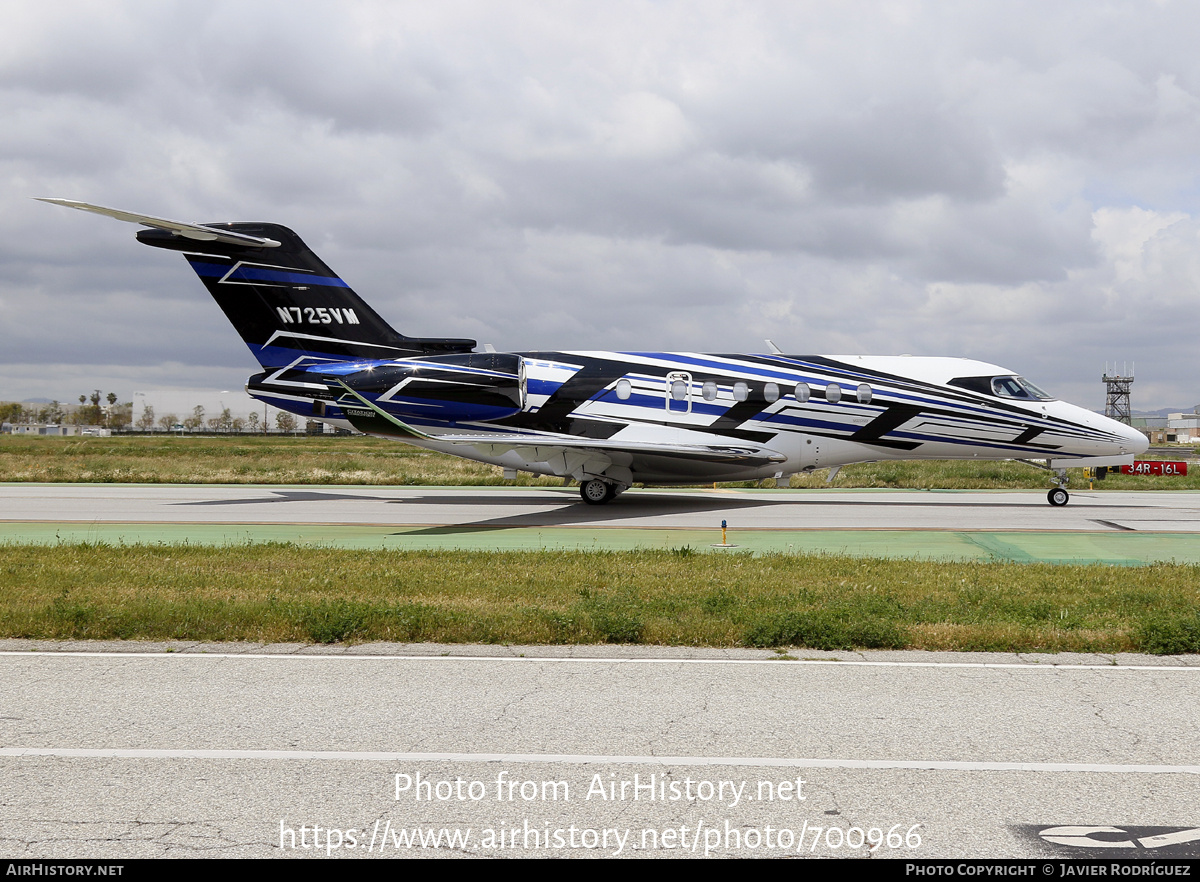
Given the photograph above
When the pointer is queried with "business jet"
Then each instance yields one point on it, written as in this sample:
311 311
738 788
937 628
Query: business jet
610 419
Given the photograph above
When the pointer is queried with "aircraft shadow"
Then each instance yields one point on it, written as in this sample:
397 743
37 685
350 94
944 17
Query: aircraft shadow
567 510
576 513
286 496
570 510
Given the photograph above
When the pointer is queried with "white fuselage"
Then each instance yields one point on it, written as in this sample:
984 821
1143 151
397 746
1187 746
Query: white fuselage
810 412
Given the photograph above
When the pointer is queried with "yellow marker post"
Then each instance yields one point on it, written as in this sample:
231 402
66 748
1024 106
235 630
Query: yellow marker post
724 541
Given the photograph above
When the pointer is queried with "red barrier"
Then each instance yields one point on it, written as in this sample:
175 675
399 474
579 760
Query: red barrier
1154 467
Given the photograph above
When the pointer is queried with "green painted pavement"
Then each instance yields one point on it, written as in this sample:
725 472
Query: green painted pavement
1119 548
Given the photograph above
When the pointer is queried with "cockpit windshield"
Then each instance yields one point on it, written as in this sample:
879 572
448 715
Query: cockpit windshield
1017 387
1003 387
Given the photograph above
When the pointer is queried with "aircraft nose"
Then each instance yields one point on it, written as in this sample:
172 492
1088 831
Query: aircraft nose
1138 443
1129 440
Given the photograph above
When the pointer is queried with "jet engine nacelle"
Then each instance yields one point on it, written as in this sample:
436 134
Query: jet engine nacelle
463 387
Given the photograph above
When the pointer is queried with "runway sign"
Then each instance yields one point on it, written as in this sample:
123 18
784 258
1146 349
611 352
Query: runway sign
1154 467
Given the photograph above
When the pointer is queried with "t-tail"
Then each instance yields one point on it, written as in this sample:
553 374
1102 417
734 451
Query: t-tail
283 300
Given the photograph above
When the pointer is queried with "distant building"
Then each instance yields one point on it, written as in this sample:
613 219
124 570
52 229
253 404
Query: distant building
1183 427
40 429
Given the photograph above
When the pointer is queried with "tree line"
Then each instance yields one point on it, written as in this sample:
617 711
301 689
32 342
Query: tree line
90 412
225 421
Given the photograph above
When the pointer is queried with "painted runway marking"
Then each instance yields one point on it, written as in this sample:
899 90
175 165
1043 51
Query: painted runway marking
587 759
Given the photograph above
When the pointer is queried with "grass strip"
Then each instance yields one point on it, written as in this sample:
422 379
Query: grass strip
248 459
280 592
327 459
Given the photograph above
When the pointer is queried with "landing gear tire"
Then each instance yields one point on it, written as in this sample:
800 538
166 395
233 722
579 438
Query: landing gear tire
596 492
1058 496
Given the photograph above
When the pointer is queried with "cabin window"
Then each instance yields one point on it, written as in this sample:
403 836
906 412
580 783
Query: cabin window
833 393
741 391
710 391
679 390
864 393
623 389
803 392
771 392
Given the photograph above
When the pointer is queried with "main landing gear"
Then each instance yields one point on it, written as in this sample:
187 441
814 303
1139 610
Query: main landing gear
597 492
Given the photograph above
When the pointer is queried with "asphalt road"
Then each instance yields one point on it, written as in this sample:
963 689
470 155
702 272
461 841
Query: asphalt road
658 509
1127 529
626 752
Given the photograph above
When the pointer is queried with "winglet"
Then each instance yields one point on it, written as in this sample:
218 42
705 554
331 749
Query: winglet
199 232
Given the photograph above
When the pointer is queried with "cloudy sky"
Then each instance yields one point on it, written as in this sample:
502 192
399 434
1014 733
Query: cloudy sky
1014 182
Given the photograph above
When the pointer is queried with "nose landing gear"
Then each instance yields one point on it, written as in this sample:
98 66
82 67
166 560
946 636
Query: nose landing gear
1059 496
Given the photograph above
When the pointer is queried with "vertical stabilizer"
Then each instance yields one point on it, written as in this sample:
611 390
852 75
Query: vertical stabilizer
286 303
281 298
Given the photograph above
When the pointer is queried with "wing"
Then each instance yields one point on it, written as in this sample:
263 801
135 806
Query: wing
374 420
199 232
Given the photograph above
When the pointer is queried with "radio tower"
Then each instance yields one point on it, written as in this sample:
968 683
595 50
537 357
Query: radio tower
1116 403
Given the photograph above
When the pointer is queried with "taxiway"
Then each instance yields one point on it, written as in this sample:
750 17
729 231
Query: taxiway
1098 526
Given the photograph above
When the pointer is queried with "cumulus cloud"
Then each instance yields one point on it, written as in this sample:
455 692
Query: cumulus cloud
1010 181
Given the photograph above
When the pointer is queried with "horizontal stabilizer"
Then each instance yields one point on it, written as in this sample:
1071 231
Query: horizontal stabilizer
199 232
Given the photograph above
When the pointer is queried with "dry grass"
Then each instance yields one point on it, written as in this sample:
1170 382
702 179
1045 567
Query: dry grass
281 592
362 460
236 460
